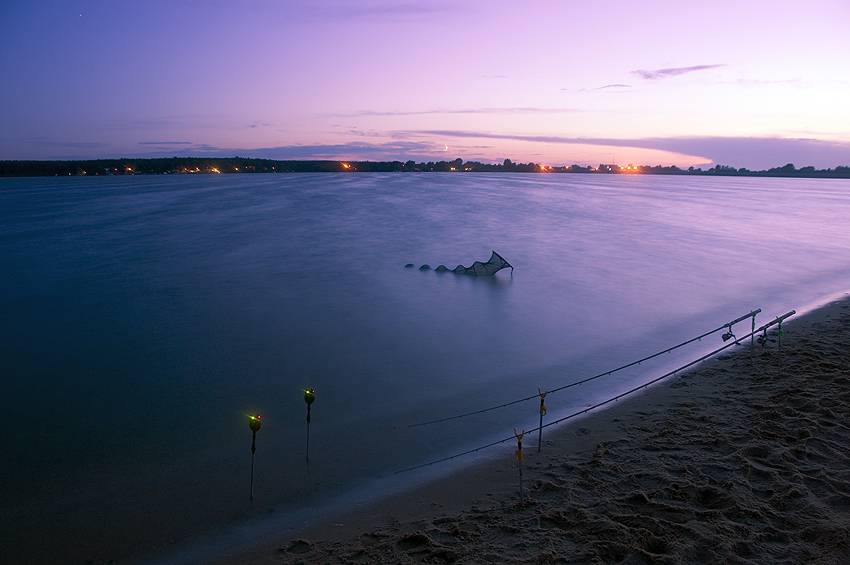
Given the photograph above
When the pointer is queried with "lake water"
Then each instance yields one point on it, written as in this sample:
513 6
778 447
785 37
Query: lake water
145 317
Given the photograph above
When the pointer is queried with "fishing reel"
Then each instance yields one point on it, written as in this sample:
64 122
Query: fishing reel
763 340
729 335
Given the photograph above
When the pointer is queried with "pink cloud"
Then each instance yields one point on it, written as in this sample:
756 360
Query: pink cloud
666 73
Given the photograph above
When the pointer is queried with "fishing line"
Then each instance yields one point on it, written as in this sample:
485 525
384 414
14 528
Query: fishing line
764 328
638 362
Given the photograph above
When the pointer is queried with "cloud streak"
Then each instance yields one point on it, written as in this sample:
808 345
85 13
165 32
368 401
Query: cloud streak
390 151
673 72
69 144
755 153
608 88
520 110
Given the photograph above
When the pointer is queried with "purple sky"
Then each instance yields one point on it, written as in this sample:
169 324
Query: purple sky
746 83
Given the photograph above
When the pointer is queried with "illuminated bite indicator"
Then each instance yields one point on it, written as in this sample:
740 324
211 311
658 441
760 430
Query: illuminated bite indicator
542 413
254 422
309 398
518 455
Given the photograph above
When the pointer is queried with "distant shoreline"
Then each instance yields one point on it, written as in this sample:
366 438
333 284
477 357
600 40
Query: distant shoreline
214 165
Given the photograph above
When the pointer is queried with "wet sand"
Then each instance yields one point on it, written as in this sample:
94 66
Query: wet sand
745 459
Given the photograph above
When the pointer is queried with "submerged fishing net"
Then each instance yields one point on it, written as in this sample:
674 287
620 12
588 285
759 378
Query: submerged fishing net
491 267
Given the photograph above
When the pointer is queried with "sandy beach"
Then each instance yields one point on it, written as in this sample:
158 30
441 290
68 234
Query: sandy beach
745 459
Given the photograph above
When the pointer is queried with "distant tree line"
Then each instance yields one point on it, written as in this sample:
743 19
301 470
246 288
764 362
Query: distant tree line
213 165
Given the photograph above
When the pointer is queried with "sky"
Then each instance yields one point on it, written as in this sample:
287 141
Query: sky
743 83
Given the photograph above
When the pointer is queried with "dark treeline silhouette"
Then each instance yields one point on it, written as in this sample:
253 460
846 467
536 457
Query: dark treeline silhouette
212 165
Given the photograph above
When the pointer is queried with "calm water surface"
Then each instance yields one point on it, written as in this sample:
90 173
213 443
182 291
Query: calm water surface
145 317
